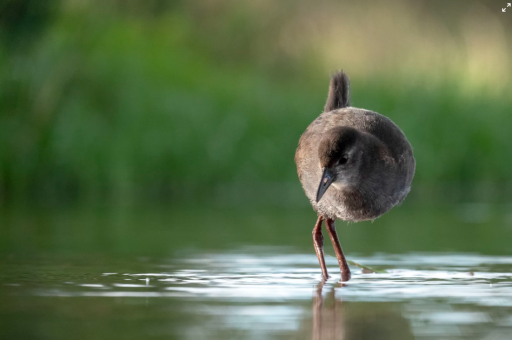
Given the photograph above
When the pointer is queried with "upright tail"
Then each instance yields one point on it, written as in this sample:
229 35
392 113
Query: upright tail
339 92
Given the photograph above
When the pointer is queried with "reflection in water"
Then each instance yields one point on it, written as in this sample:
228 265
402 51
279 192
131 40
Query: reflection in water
334 319
260 294
328 324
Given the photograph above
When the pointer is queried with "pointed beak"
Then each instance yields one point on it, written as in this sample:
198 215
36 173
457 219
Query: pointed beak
327 178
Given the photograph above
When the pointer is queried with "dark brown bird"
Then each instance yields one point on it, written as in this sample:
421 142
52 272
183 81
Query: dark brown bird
354 164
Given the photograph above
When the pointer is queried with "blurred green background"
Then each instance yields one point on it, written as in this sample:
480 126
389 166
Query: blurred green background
126 124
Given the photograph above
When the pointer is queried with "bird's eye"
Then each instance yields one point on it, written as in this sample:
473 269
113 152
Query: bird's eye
343 160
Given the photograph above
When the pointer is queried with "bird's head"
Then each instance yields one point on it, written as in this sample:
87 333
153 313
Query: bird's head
341 156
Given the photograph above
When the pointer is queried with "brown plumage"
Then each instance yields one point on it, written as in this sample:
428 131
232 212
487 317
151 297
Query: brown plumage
354 165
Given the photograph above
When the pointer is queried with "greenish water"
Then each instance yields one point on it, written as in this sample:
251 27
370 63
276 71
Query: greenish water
227 273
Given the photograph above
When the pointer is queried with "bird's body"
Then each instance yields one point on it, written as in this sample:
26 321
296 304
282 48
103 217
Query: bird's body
382 184
353 164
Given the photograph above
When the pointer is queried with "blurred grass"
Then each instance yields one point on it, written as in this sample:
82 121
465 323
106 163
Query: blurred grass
137 100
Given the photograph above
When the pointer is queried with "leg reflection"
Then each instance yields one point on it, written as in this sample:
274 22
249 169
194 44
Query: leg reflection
327 314
317 311
334 319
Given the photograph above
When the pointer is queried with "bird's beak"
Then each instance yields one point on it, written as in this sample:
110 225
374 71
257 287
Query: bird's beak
328 176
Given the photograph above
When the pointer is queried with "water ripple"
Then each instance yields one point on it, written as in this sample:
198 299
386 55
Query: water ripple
456 278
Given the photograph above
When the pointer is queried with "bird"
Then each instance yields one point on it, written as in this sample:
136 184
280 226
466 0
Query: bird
354 165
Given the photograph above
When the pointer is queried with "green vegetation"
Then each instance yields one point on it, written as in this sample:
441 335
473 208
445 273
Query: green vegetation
140 100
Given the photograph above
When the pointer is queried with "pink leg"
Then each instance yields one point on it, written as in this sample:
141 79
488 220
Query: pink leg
345 271
318 241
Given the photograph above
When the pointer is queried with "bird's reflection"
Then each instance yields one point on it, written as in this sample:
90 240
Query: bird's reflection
334 319
328 320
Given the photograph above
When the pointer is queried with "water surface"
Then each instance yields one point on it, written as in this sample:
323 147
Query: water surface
255 293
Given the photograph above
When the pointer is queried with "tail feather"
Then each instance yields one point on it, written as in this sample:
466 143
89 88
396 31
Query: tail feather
339 92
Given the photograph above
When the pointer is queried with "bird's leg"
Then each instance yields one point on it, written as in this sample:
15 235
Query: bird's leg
345 271
318 241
